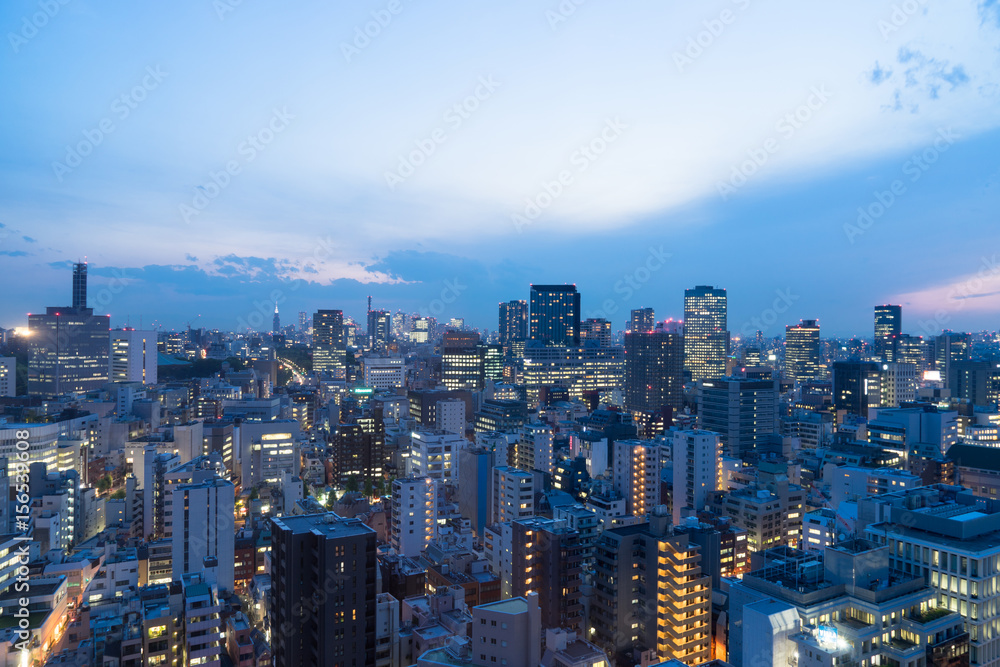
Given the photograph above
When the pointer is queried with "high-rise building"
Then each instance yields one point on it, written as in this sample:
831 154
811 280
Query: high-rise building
950 348
697 464
276 322
462 360
899 384
802 358
909 349
357 449
413 515
534 449
650 594
303 321
706 337
857 386
541 556
204 530
68 346
512 494
742 411
642 319
133 356
654 367
379 328
580 370
329 343
888 325
596 329
636 474
434 454
975 381
555 314
322 553
950 539
8 376
513 325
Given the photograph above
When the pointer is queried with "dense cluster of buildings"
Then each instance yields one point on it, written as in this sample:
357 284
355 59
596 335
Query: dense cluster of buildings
551 493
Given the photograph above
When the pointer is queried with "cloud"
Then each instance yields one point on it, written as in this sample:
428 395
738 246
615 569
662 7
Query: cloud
191 258
922 79
13 253
989 11
29 239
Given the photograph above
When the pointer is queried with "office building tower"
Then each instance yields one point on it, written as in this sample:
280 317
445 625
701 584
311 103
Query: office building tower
329 343
379 328
654 368
68 346
950 539
491 357
697 466
802 359
899 384
642 319
975 381
311 553
596 331
924 430
303 321
276 322
555 315
743 412
636 474
513 324
909 349
475 466
451 416
535 448
462 360
8 376
951 348
651 594
421 329
846 605
581 371
383 372
857 387
706 337
204 530
888 325
133 356
357 449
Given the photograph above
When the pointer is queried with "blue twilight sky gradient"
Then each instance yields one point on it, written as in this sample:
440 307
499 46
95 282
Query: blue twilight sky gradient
312 219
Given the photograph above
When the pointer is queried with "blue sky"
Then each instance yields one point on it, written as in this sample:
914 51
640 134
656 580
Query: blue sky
210 157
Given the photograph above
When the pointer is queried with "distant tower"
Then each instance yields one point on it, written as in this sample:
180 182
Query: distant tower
276 326
80 285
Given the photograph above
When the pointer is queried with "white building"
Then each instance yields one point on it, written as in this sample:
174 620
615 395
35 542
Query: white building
534 448
204 529
899 384
133 356
819 529
636 471
450 416
697 468
414 514
384 372
434 454
512 495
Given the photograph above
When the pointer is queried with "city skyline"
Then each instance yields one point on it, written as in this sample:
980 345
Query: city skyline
868 153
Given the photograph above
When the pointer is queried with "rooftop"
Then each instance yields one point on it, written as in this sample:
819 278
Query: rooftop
328 524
